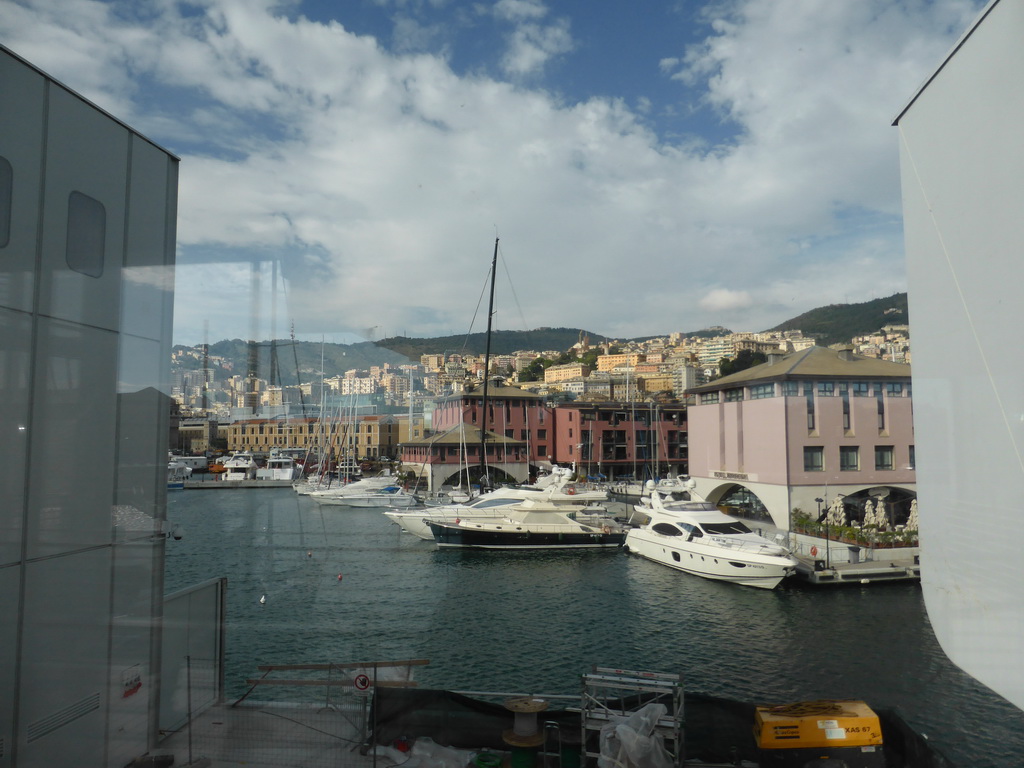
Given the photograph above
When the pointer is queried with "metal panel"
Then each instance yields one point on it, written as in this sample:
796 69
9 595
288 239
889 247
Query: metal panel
10 600
15 369
21 143
86 153
143 415
64 660
149 276
71 489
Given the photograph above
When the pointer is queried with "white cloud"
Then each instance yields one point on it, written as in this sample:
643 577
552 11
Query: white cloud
379 179
724 300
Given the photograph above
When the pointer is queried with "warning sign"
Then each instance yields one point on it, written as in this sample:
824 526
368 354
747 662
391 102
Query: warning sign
361 682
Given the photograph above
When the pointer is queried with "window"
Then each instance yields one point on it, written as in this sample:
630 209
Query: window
790 388
814 458
881 406
861 389
666 529
809 394
883 457
826 388
913 458
542 434
761 391
894 389
733 395
87 234
709 398
849 458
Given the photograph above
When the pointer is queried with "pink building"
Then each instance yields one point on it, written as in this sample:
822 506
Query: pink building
815 424
620 440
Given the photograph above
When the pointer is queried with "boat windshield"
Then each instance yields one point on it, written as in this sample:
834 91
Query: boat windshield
733 526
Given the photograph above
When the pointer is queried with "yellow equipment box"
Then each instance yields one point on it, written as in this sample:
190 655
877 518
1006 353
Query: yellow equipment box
817 724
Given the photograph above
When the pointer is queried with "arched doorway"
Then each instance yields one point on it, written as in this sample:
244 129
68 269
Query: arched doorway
739 501
894 502
495 476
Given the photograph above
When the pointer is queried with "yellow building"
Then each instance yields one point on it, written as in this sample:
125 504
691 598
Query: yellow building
608 363
557 373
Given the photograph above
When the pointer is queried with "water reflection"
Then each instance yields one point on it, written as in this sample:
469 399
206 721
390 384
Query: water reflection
533 621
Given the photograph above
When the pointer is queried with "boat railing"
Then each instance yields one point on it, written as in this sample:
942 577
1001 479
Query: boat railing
754 547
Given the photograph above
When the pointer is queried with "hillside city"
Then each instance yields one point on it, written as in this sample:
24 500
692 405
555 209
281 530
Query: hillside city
659 370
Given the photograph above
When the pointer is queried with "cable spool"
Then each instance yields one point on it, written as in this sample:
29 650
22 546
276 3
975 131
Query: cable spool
524 731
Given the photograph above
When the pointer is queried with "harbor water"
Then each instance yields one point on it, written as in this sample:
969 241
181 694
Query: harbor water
346 585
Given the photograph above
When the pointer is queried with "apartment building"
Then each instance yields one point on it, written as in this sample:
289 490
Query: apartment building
621 439
810 425
608 363
559 373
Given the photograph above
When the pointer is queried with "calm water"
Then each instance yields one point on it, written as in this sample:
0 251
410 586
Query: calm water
535 621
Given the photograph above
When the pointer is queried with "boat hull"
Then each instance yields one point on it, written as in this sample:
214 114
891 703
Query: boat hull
507 537
718 564
369 501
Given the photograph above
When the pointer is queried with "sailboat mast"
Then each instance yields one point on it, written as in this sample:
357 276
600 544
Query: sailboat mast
487 369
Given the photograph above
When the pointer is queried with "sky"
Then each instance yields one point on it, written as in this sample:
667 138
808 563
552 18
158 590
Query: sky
648 167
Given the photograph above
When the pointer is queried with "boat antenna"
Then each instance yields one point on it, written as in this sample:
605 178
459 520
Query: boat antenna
487 369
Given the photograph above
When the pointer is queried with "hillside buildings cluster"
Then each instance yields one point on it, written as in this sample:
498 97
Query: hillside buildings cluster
661 368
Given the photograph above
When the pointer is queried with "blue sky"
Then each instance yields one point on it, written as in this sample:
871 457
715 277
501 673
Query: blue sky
650 167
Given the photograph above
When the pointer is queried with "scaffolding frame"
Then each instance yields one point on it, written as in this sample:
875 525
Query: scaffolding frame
610 694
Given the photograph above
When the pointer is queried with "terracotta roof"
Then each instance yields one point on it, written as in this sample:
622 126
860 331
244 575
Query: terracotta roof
812 363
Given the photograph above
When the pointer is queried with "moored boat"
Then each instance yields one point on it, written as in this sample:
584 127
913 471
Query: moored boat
531 524
697 538
279 468
495 504
240 466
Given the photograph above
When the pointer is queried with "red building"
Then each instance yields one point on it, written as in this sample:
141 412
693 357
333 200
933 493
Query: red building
525 435
622 440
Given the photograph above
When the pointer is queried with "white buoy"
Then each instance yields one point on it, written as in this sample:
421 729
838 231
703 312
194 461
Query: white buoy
263 599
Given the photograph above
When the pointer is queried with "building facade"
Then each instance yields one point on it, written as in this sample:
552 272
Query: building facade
87 244
621 440
811 425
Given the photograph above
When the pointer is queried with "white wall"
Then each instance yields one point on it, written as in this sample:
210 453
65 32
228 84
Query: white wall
963 172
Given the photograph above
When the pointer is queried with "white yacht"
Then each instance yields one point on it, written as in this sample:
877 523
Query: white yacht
536 523
241 466
278 468
380 491
696 537
552 488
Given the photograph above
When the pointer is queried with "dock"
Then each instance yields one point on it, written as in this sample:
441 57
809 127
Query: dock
815 571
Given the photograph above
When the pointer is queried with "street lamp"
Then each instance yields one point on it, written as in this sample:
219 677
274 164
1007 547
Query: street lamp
819 501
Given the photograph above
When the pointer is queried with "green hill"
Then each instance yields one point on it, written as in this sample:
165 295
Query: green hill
839 323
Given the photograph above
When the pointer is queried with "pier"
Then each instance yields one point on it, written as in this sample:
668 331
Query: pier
815 571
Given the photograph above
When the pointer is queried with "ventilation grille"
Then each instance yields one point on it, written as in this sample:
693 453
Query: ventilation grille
69 714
